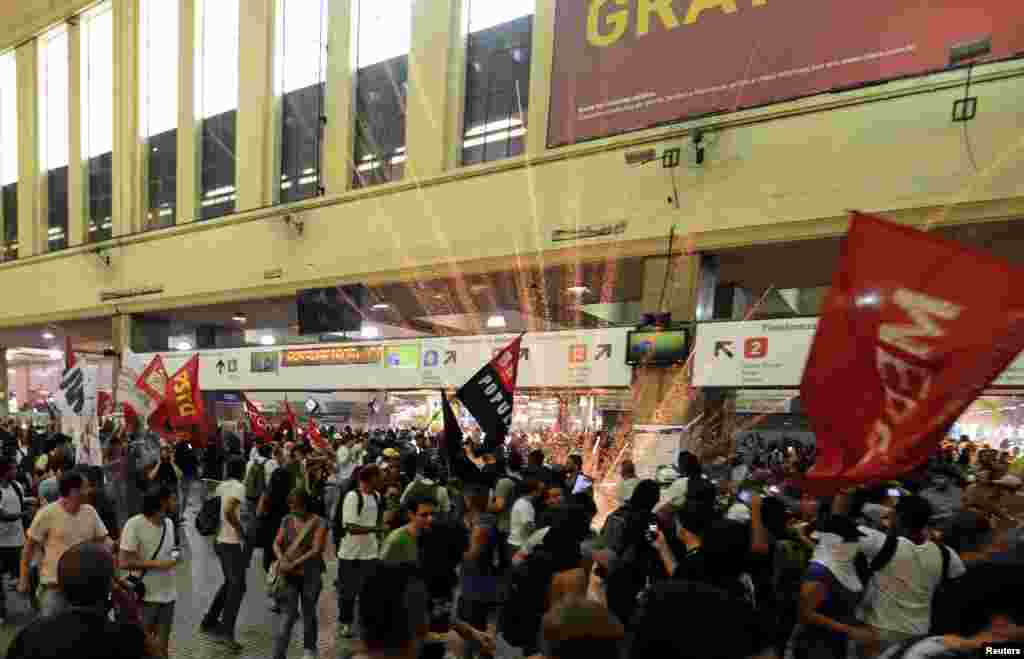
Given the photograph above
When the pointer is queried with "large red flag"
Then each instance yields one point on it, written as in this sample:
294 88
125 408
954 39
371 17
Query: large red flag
259 424
153 380
183 400
912 331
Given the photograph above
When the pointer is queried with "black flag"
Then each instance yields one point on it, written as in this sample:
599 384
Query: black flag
489 394
459 466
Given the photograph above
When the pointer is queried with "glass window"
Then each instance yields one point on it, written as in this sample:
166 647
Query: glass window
497 79
217 101
302 59
158 101
383 38
53 128
98 117
9 156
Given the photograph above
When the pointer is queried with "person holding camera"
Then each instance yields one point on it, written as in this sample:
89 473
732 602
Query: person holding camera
630 534
149 554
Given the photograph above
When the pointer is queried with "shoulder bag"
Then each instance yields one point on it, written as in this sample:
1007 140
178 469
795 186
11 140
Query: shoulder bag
275 578
138 585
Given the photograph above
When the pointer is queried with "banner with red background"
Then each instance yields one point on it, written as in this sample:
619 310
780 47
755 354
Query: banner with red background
618 69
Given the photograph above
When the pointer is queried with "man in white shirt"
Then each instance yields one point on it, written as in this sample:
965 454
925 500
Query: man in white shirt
12 530
674 497
220 620
898 600
628 483
148 551
57 527
523 521
359 550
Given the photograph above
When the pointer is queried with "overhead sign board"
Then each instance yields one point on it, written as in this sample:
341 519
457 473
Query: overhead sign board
771 353
333 355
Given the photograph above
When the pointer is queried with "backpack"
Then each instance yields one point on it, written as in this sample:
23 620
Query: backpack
208 517
421 489
339 512
866 570
255 481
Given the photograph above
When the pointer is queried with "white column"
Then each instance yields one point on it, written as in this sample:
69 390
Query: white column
456 115
256 100
78 189
428 105
30 216
339 97
188 126
541 67
127 174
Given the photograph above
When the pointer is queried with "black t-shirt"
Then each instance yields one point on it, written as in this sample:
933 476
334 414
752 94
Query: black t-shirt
81 634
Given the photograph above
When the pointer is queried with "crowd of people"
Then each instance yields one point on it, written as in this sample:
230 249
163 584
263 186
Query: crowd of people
492 551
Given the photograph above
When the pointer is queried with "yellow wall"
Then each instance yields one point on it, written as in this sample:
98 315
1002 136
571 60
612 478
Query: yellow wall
793 176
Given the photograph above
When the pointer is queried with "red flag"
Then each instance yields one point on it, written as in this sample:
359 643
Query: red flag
290 415
131 416
183 399
153 380
259 424
490 393
69 355
313 432
912 331
104 403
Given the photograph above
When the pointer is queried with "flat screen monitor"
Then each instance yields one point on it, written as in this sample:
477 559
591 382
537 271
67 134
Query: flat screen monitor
654 347
334 309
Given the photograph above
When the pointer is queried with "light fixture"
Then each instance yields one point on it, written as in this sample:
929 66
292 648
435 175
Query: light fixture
183 345
49 336
56 354
370 331
579 289
239 317
267 340
496 321
381 306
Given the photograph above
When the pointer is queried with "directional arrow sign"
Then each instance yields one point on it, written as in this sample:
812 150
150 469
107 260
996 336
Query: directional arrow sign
220 367
723 347
524 354
604 351
449 357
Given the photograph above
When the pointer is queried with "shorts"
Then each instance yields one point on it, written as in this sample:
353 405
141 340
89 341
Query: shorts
158 613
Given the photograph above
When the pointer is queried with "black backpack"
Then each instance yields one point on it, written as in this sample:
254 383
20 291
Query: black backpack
208 517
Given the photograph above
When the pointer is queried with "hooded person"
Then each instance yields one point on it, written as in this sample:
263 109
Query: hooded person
829 595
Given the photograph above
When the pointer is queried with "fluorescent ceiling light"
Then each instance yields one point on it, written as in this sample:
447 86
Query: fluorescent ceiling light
495 321
56 354
183 345
370 332
49 336
380 306
578 290
267 340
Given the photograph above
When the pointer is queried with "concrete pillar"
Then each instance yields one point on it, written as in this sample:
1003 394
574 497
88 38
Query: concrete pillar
429 104
661 395
339 98
256 102
4 381
540 78
188 127
121 340
30 217
78 192
128 186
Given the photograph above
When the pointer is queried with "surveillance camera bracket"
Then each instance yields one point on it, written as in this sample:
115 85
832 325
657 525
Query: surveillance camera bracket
103 256
295 223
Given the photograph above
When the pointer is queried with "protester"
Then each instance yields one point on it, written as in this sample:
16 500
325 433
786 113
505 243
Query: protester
479 563
523 520
94 494
222 615
299 548
675 496
56 466
362 516
56 527
427 484
13 513
83 631
629 534
402 544
273 507
147 551
582 628
628 483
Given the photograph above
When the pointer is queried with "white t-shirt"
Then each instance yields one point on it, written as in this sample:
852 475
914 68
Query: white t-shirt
625 489
57 530
522 522
346 462
226 491
12 534
359 547
142 537
899 598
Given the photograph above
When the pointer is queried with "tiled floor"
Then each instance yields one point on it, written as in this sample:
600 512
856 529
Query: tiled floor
199 576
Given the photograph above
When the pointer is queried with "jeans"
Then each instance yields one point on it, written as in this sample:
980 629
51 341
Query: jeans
304 590
228 600
351 575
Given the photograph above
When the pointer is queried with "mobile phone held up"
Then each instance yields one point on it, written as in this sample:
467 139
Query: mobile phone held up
745 496
652 533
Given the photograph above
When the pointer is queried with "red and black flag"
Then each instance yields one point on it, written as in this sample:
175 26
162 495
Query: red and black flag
459 466
489 394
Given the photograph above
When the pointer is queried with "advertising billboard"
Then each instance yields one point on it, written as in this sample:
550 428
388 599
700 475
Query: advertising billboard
623 65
